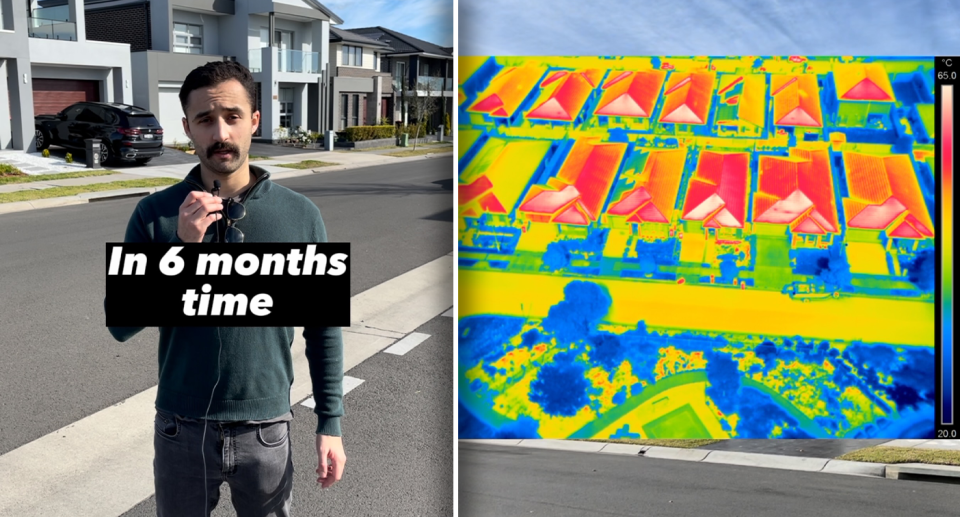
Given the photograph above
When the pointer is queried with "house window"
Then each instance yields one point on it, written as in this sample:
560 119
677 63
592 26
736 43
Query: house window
187 38
286 108
356 110
352 56
343 111
398 74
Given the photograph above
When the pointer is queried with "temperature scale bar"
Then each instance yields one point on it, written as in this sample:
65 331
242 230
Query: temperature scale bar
946 254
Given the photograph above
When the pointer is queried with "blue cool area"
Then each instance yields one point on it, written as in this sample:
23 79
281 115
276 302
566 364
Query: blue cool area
895 378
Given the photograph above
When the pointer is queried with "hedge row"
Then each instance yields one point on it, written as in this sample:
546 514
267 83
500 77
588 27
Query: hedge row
360 133
412 130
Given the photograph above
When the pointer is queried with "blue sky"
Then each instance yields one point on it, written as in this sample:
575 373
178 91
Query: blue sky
708 27
429 20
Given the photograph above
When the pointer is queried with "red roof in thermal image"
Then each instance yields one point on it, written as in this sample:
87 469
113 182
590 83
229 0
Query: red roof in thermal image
507 91
688 98
884 194
862 82
797 190
653 197
796 100
717 193
631 94
576 195
497 176
564 94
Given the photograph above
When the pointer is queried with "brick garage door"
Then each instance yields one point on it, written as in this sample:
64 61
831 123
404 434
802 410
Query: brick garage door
52 95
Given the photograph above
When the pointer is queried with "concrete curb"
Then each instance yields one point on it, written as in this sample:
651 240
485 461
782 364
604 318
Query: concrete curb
89 197
79 199
294 173
911 471
922 471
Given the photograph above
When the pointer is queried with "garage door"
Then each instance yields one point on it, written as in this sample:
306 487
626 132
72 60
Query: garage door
52 95
170 116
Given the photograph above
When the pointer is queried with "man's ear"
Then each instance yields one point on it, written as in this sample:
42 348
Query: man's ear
255 119
186 127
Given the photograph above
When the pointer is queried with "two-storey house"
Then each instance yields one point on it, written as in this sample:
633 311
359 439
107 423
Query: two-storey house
415 63
284 43
49 63
361 95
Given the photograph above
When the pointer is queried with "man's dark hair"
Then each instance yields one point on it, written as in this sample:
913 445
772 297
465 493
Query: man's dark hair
214 73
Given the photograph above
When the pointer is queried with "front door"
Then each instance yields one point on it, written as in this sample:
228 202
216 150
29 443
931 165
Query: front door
286 109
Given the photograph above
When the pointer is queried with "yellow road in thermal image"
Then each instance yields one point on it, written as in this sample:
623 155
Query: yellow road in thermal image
707 308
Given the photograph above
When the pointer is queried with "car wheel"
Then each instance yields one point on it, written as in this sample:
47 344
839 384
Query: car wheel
142 161
43 141
105 154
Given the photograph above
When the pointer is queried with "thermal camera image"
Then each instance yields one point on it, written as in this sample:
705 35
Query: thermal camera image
696 247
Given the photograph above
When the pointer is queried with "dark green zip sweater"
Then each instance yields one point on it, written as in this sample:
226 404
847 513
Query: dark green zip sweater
256 367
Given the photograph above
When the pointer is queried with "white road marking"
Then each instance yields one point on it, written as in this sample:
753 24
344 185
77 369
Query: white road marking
406 344
449 313
64 472
348 384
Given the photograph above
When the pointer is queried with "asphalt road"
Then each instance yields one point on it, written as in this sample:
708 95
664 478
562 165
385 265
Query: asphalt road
504 481
398 437
59 362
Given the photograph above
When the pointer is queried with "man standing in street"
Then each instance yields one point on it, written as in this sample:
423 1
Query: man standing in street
223 401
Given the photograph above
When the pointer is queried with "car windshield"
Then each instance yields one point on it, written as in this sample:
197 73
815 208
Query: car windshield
142 121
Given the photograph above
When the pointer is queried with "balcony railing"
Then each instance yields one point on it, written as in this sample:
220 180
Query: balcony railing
52 29
298 61
435 84
255 60
294 61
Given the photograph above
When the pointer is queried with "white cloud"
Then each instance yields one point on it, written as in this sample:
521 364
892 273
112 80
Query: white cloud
429 20
686 27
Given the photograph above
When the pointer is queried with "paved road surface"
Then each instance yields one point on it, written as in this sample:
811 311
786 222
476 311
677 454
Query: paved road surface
60 363
501 481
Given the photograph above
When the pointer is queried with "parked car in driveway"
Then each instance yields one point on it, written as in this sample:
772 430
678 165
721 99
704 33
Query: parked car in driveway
125 132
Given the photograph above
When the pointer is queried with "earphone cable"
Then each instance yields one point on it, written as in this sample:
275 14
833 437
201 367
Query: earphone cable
203 440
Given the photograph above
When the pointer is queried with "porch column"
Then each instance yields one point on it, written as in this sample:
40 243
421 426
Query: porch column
77 17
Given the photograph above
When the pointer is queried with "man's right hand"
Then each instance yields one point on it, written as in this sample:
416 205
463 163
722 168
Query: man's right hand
197 213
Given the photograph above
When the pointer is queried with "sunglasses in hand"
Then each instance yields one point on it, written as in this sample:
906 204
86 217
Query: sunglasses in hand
233 212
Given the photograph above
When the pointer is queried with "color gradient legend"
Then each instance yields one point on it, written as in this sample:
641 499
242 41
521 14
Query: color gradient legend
946 250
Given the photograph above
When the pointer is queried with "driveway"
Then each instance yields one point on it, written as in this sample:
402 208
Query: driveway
169 157
175 157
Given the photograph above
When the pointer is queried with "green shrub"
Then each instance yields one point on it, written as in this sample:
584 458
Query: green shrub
46 153
360 133
69 158
446 123
412 130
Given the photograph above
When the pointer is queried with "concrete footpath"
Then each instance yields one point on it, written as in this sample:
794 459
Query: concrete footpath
912 471
343 161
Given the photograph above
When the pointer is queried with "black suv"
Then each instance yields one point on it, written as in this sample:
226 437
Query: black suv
125 132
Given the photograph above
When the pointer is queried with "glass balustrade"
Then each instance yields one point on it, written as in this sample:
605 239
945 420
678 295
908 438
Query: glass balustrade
298 61
52 29
255 60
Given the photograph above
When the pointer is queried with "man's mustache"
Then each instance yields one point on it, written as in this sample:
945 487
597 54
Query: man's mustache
220 147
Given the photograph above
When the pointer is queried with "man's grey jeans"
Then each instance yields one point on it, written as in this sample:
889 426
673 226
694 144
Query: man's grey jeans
255 460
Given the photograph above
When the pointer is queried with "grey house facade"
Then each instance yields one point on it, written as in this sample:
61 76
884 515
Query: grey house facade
361 95
411 62
284 43
47 62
